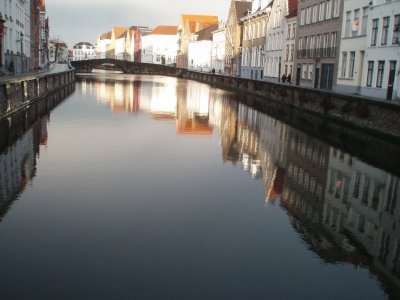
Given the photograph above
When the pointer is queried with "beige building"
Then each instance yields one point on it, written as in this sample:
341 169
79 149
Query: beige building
233 44
319 24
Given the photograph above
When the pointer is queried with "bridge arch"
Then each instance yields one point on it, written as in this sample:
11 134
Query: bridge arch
87 66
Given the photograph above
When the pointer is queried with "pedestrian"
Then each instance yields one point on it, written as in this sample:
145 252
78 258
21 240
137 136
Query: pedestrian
213 71
289 78
283 78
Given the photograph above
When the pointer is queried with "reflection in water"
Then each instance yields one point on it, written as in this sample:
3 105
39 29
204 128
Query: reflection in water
27 133
344 209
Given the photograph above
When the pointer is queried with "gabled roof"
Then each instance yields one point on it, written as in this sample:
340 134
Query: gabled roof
106 36
292 9
206 33
165 30
241 9
120 32
206 21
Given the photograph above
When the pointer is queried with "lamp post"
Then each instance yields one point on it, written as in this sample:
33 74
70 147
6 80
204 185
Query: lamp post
2 33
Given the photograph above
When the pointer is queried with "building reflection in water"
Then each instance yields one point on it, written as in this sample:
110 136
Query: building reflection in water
18 163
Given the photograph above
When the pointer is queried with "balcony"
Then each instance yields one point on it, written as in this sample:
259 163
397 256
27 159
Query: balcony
317 53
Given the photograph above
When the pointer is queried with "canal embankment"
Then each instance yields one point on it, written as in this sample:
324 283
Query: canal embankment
19 92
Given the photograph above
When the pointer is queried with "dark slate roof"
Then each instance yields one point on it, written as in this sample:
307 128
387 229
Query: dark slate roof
242 8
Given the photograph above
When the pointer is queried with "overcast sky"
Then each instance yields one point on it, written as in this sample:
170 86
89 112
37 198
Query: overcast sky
84 20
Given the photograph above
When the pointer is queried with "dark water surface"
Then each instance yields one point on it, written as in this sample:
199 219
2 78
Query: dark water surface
146 187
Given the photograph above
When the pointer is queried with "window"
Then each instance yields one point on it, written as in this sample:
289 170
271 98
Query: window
370 73
310 71
302 16
328 9
304 71
396 30
385 30
336 8
326 44
351 66
289 31
321 11
308 15
294 30
333 44
365 21
344 64
356 22
356 190
374 32
287 54
348 21
315 13
379 78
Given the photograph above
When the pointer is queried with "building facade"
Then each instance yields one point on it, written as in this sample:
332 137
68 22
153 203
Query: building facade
253 45
319 26
189 25
200 48
83 51
355 29
16 39
380 71
218 49
160 46
233 35
102 44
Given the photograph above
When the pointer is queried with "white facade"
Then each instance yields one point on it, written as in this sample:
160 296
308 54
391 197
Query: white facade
199 56
274 50
16 41
355 30
382 57
289 44
159 48
102 45
218 49
83 51
254 39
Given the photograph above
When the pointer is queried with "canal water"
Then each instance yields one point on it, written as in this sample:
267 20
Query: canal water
148 187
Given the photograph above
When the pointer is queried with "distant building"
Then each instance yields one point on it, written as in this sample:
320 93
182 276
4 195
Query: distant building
218 49
102 44
160 46
58 52
382 57
233 34
253 44
189 25
319 27
83 51
120 43
199 51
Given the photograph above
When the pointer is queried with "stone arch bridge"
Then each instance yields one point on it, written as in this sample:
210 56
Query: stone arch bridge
128 67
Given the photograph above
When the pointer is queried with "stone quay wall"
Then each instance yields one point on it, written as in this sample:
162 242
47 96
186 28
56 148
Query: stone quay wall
378 117
17 93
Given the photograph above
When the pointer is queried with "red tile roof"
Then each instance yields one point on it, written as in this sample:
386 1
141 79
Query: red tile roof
165 30
193 20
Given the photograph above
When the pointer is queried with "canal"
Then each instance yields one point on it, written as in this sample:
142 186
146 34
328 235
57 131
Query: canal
148 187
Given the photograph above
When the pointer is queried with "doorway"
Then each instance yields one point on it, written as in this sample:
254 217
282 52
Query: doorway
327 76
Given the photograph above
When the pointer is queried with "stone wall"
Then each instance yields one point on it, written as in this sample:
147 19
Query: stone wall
18 93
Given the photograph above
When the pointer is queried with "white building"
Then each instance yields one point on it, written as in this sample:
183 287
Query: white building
278 43
218 49
382 56
83 51
199 52
253 46
102 45
354 41
16 40
289 43
160 46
